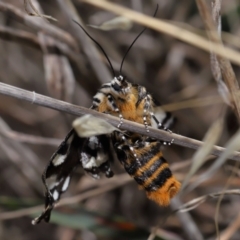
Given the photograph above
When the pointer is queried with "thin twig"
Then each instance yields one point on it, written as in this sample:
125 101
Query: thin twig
31 139
45 101
197 201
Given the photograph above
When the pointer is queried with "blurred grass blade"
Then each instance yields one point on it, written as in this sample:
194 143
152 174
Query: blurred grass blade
16 203
209 141
88 126
232 145
59 75
36 12
221 86
121 22
111 227
215 64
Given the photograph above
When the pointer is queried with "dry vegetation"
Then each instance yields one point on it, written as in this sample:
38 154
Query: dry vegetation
54 58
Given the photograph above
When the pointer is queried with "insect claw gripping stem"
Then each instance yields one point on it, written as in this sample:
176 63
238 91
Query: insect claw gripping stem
172 140
146 111
161 126
121 119
145 123
169 143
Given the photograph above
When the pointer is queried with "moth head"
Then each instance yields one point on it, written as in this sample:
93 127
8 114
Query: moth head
120 85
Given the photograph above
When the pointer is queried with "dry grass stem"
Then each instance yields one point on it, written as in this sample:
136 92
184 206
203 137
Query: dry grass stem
27 138
36 12
168 29
222 64
192 204
188 224
232 228
44 101
200 156
39 26
88 46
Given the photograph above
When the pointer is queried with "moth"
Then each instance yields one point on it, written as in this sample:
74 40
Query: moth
141 156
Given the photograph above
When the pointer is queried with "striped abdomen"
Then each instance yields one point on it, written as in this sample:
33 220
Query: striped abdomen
145 163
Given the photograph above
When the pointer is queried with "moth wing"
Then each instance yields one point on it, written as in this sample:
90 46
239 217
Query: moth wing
57 175
96 156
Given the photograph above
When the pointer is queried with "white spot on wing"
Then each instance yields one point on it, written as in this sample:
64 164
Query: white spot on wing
65 184
58 160
89 163
55 195
95 176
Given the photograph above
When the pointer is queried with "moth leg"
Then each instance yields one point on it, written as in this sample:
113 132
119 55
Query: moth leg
167 120
162 127
159 124
115 109
146 111
168 143
128 145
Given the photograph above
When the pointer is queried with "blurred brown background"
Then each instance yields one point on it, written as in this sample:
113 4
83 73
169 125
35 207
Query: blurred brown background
70 67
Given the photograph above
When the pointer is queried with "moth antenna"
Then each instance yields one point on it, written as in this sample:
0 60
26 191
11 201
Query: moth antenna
125 55
98 44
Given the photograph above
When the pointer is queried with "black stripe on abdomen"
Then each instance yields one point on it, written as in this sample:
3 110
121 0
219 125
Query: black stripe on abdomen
143 159
160 180
150 171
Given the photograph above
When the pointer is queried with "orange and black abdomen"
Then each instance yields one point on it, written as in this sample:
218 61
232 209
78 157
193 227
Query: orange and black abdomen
145 163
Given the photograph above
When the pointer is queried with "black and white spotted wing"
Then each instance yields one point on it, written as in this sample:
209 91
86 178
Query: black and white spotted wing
96 156
92 153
